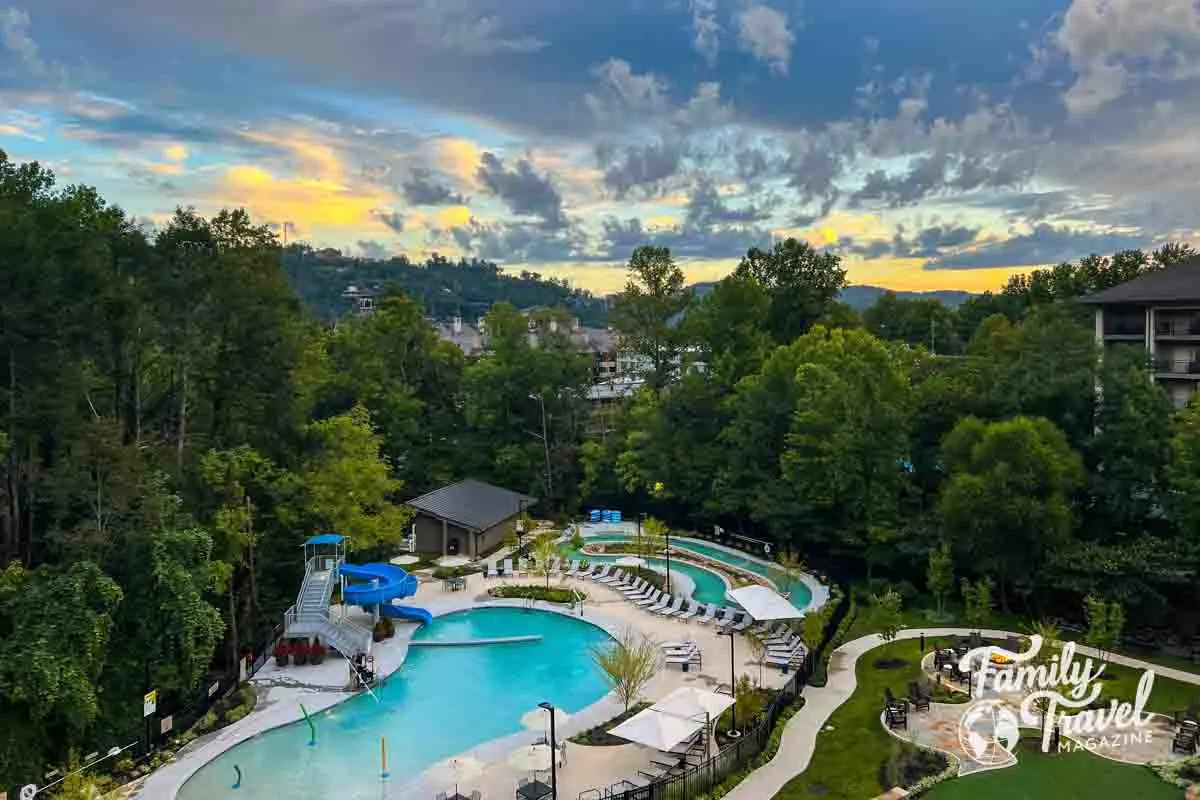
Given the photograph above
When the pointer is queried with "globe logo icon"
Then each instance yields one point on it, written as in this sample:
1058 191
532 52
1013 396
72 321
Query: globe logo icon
988 731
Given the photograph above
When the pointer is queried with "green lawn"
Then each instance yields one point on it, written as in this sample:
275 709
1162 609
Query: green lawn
1061 776
846 763
848 758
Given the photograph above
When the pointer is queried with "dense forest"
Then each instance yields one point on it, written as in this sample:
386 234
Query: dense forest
174 423
444 288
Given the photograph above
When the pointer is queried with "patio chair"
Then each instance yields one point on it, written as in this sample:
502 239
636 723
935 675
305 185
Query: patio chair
572 569
791 658
1184 742
650 600
896 718
709 614
492 572
507 571
692 610
918 699
667 611
602 573
660 605
685 659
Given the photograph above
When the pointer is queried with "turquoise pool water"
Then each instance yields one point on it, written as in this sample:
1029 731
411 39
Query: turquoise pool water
800 595
709 587
444 700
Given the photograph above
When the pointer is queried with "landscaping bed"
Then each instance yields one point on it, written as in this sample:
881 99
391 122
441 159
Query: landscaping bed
599 735
549 594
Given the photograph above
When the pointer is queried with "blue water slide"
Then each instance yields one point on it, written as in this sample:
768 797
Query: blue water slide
410 613
393 582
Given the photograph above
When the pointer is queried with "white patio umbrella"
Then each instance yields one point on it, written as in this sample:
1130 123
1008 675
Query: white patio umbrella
658 730
630 561
538 719
452 561
456 770
692 703
404 561
688 701
764 604
531 758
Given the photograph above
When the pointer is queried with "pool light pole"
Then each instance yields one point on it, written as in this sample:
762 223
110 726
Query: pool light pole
553 751
732 683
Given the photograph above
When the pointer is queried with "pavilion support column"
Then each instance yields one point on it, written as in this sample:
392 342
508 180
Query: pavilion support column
445 538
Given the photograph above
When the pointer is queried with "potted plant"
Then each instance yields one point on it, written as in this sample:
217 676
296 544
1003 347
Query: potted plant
316 653
389 628
300 653
281 653
378 633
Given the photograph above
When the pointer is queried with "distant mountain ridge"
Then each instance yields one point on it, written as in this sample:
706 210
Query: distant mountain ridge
860 297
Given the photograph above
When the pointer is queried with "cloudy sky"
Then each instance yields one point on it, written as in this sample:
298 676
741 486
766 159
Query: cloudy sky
934 143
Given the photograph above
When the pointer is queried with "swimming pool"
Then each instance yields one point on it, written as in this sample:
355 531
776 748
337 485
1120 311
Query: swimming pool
444 700
800 595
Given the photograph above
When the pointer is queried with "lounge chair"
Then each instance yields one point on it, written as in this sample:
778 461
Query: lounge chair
492 572
602 573
746 622
793 659
692 610
521 571
728 619
646 592
507 570
633 589
684 658
785 636
664 602
674 608
653 599
572 568
709 614
555 566
617 577
636 781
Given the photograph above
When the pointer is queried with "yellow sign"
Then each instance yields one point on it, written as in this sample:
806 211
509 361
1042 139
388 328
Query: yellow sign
149 702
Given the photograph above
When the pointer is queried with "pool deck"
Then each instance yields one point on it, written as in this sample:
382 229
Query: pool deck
282 689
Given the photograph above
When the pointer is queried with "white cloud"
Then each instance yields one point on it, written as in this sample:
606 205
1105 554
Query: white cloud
706 31
14 33
763 32
639 92
1112 44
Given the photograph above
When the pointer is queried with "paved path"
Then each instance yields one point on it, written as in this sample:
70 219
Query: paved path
800 736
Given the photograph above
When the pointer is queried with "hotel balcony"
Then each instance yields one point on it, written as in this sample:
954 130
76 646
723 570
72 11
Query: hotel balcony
1126 329
1179 328
1185 368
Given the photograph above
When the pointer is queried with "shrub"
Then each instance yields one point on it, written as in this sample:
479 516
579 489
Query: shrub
908 765
599 735
442 573
549 594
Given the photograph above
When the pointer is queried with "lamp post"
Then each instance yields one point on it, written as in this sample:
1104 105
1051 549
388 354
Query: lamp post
667 537
519 527
545 437
553 752
732 683
641 516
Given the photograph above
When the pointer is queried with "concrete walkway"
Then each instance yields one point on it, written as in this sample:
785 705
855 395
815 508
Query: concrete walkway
800 736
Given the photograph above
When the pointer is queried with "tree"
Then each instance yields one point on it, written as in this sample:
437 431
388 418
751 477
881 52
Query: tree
727 326
545 550
645 312
812 627
977 601
886 615
1130 452
848 438
346 484
758 651
1184 476
1105 620
1006 504
939 575
801 285
917 321
628 664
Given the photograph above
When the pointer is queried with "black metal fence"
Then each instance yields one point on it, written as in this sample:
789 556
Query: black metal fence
701 779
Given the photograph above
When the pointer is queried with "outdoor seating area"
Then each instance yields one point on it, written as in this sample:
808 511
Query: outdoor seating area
895 711
677 730
1186 740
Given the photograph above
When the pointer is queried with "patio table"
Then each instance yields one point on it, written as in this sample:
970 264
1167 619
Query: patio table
534 791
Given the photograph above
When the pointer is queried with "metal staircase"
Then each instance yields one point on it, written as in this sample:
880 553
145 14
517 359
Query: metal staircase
310 616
